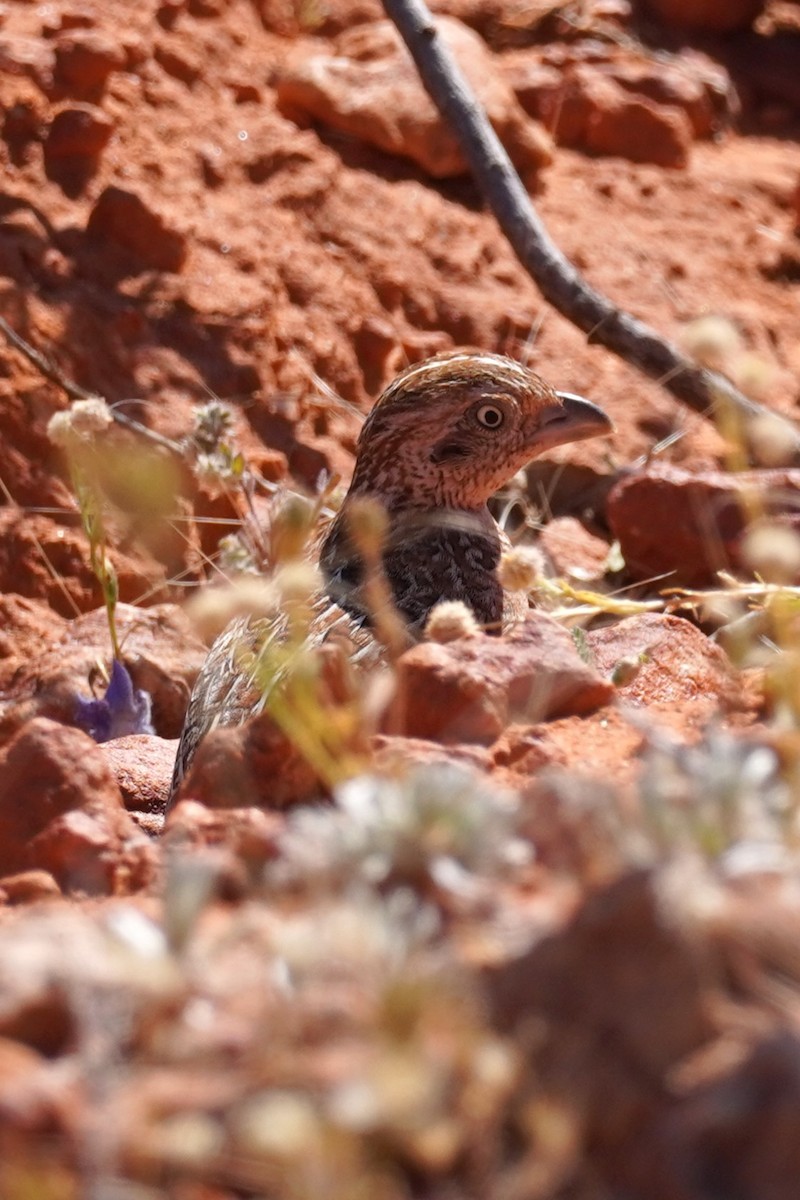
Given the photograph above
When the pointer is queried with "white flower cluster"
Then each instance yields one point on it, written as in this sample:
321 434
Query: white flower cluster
81 422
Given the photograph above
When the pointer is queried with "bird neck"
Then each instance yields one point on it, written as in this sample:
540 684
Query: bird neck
429 555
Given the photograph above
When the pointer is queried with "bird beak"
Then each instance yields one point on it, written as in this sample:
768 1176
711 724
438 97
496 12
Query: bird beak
570 421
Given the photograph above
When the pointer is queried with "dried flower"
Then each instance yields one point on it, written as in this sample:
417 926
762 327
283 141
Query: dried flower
772 440
290 527
441 822
773 552
626 670
212 422
214 472
234 556
521 569
82 421
449 621
713 341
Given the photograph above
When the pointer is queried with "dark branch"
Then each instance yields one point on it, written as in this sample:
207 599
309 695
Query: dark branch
706 392
74 391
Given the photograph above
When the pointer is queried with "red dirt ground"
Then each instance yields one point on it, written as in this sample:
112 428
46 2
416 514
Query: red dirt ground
168 232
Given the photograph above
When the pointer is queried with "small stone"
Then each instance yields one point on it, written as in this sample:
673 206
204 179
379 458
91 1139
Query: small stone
675 662
590 110
714 16
251 835
84 60
695 84
27 887
369 89
470 690
623 935
27 56
250 764
142 766
180 59
572 550
81 131
61 812
126 220
689 525
29 1095
640 131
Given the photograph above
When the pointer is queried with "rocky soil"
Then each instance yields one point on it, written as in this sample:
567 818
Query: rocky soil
514 918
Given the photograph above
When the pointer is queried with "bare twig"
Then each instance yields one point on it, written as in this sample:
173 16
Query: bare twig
74 391
706 392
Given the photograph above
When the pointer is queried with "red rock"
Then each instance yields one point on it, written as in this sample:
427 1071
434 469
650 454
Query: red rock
572 816
695 84
716 16
81 131
619 999
84 60
599 944
31 541
251 834
142 766
127 221
739 1124
640 131
61 811
676 662
28 56
370 89
73 145
533 82
686 526
23 122
181 59
161 651
544 82
600 745
471 689
572 550
26 627
679 680
284 17
29 886
590 110
26 1091
393 753
253 764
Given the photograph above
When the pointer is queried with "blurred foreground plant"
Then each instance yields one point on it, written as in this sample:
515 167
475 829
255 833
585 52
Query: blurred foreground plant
77 432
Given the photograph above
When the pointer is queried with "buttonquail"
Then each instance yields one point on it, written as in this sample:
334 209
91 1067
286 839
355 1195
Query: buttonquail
442 438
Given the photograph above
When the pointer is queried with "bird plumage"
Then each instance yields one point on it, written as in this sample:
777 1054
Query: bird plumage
439 441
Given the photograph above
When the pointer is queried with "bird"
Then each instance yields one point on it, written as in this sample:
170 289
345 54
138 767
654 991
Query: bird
442 438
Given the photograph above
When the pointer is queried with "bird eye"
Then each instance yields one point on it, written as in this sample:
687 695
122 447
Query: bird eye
490 416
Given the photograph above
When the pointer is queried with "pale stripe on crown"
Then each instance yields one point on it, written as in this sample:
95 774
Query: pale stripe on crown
490 361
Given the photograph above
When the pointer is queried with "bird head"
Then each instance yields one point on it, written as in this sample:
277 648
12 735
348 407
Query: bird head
448 432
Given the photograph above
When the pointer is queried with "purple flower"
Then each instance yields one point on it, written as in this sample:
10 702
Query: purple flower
121 711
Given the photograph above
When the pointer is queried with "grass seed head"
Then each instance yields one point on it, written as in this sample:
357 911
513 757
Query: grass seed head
212 608
449 621
81 422
713 341
773 552
521 569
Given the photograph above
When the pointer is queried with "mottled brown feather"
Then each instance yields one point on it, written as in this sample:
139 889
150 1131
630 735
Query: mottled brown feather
428 453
